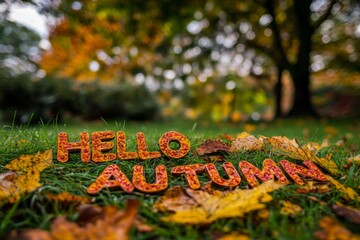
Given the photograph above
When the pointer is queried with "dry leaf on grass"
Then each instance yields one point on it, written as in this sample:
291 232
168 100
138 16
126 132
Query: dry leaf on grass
314 187
347 192
292 149
354 160
248 143
13 186
234 236
25 175
104 223
349 213
207 205
211 147
25 163
331 229
290 209
68 198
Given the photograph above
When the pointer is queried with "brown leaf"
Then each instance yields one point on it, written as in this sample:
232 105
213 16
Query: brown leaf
248 143
207 205
331 229
349 213
111 224
212 146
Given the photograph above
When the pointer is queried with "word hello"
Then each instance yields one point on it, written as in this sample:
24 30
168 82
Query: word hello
101 144
112 176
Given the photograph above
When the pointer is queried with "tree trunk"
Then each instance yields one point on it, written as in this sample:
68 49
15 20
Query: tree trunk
300 71
278 93
302 105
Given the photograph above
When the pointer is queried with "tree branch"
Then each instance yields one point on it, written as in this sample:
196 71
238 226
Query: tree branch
284 61
327 13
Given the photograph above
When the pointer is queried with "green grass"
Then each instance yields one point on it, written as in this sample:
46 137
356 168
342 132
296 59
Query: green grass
35 210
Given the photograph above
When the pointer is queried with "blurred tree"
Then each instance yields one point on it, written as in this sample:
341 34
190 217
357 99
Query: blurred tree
190 40
18 44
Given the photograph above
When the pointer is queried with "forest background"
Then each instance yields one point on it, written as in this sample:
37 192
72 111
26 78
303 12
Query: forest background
210 60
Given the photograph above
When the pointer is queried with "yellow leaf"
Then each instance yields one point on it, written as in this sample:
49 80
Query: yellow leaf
207 205
13 186
235 236
290 209
347 192
292 149
26 163
331 229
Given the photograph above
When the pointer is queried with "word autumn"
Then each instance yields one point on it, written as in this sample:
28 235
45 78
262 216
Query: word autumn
112 176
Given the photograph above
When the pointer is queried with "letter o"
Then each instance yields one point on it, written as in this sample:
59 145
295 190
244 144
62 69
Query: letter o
164 144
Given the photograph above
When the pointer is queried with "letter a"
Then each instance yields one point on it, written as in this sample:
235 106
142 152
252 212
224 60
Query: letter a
103 181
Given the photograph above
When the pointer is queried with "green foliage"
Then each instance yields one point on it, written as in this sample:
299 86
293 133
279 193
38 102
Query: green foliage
51 98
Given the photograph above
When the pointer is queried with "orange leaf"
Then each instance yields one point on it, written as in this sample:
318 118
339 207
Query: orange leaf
331 229
68 198
104 223
212 146
207 205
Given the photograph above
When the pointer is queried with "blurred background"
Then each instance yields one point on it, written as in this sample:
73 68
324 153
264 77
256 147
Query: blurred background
209 60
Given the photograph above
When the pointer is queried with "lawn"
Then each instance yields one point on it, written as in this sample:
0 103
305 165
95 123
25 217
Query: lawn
37 210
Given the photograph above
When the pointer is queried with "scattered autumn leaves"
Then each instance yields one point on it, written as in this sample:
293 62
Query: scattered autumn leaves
184 205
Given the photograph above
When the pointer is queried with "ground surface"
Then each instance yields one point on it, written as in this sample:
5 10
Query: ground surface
35 210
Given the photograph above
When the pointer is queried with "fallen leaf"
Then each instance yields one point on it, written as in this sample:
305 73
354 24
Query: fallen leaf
212 146
347 192
67 198
249 127
331 229
207 205
25 163
235 236
315 187
110 223
290 209
248 143
355 160
349 213
292 149
13 186
243 135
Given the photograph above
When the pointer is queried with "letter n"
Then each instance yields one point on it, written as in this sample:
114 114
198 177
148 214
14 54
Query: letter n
105 181
270 169
293 170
